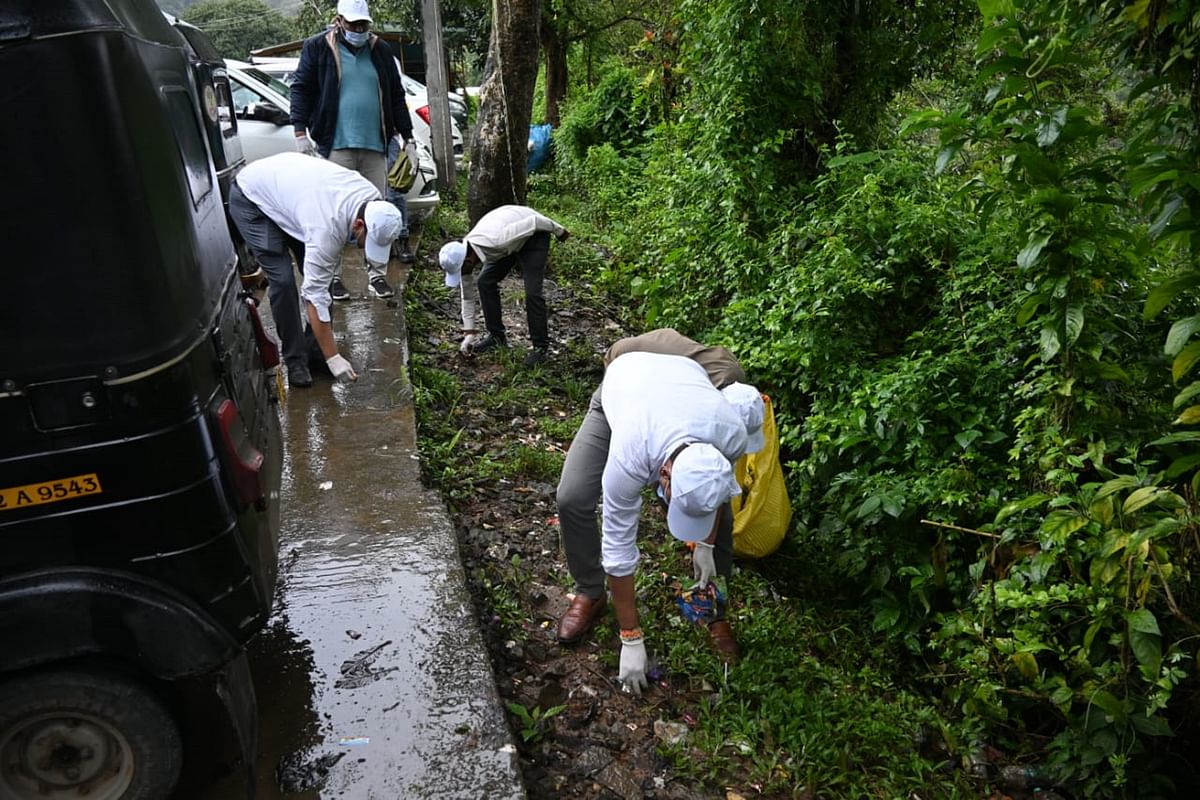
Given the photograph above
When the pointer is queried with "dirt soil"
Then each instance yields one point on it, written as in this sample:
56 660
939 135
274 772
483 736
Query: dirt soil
605 743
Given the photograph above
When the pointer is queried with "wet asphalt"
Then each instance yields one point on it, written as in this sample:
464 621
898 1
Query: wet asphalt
372 678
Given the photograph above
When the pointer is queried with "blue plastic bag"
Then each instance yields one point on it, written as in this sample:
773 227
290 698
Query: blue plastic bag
539 146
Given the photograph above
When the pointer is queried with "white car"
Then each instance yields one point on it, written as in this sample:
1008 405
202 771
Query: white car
262 107
283 70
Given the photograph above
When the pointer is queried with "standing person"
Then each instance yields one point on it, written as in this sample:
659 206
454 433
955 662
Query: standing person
348 97
292 204
656 419
507 237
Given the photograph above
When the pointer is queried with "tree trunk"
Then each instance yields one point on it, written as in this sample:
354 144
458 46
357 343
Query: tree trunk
554 46
498 149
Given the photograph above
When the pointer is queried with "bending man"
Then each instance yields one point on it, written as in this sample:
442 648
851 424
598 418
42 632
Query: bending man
656 419
290 204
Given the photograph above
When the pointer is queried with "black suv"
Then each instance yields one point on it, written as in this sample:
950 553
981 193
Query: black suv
140 451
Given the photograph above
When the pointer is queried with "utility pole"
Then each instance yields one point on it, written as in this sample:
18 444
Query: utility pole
437 83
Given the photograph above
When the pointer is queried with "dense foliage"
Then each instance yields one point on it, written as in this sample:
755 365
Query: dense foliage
972 300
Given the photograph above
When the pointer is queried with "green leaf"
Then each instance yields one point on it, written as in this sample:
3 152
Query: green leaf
1189 416
1160 296
1141 498
1164 218
1184 362
1180 332
1106 702
1183 465
1033 248
1059 525
1112 372
1050 128
1143 620
990 9
1185 396
1145 641
1151 726
1024 504
965 438
1178 438
1116 485
1141 184
944 156
1030 306
1050 344
1074 322
1026 664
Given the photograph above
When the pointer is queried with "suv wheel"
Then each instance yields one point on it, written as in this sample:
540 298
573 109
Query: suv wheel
85 734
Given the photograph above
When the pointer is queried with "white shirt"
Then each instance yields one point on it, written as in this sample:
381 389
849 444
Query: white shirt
653 404
312 200
504 230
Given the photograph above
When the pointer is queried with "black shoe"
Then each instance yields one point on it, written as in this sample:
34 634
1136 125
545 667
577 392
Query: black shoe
537 355
403 254
298 376
380 287
338 290
492 342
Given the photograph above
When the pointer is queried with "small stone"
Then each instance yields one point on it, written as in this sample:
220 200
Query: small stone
670 733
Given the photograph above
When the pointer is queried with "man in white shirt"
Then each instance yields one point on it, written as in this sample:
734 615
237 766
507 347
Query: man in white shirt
656 419
506 237
291 204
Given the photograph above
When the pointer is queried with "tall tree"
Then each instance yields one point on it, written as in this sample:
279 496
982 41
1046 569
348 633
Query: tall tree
238 26
498 148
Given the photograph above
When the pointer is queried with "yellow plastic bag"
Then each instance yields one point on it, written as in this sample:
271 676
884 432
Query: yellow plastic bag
762 512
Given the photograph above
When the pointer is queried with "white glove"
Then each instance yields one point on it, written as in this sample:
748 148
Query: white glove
410 149
633 665
341 368
704 568
465 346
305 146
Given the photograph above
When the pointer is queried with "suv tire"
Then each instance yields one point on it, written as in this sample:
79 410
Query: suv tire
76 733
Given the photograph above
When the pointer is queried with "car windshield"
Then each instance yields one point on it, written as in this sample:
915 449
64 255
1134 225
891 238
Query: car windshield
269 80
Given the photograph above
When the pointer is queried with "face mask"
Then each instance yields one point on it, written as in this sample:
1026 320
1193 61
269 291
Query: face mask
355 39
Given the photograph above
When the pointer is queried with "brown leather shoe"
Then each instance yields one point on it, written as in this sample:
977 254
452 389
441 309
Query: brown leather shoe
720 636
579 617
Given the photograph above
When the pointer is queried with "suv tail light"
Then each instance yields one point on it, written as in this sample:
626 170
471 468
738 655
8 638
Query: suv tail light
423 113
267 349
244 460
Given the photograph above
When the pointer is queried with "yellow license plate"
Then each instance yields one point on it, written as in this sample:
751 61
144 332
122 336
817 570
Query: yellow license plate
35 494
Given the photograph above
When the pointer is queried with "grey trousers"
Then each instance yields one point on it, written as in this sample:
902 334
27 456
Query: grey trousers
579 493
274 251
372 165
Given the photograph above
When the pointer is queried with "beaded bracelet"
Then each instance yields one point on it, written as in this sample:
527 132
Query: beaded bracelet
629 634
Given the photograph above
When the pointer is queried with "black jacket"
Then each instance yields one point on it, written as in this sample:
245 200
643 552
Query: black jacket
314 99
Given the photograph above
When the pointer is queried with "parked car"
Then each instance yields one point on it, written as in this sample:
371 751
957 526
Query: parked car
140 461
262 108
284 69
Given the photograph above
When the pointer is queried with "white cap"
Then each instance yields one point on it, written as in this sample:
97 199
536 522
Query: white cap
749 404
451 258
701 482
353 10
383 226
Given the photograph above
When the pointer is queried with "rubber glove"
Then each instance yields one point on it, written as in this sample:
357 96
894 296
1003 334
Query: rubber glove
633 665
562 237
304 145
410 149
341 368
704 568
465 346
